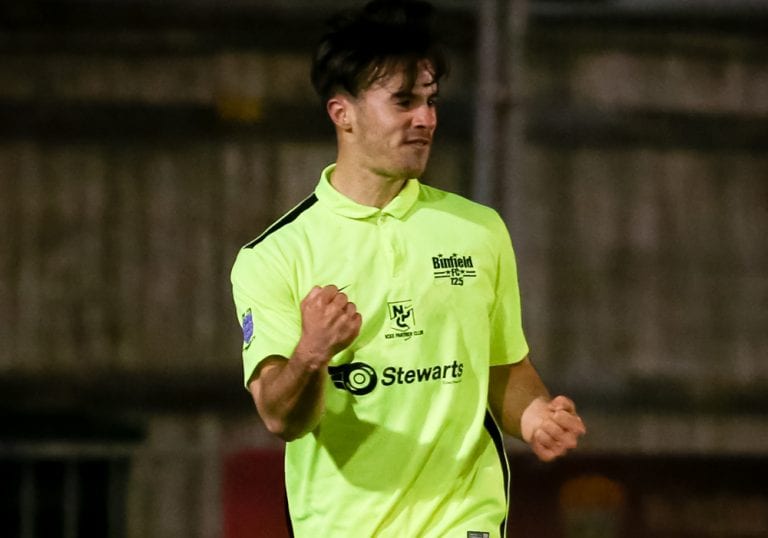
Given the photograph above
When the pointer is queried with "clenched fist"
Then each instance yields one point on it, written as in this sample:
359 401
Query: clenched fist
551 428
329 324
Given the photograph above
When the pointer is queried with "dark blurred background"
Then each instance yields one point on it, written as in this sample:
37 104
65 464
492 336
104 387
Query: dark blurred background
142 142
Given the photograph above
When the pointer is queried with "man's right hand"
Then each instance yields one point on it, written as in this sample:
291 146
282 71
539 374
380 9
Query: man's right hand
329 324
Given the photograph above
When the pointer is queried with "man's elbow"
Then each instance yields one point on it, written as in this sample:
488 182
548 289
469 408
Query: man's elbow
278 424
283 430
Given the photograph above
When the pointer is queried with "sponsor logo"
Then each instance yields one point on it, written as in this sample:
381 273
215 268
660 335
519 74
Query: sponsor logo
247 328
454 267
402 320
447 373
359 378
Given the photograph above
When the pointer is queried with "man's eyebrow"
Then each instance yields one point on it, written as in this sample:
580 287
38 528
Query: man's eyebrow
409 94
402 94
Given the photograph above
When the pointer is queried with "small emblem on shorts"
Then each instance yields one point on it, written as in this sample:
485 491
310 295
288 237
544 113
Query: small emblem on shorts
402 319
247 328
454 267
477 534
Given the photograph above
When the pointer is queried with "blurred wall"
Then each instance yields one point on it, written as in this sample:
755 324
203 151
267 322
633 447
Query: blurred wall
639 222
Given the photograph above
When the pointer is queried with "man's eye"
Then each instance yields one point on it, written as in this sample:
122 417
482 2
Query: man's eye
405 103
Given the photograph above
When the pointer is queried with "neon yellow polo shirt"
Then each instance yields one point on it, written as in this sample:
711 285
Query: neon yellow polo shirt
407 446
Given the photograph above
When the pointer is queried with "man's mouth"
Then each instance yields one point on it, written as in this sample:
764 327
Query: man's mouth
423 142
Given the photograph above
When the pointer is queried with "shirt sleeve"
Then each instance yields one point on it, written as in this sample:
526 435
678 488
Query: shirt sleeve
266 308
508 344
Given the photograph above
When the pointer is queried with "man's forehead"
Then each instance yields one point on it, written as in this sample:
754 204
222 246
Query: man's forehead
399 80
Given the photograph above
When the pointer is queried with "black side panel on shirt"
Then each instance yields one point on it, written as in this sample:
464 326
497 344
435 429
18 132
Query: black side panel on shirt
498 441
286 219
288 516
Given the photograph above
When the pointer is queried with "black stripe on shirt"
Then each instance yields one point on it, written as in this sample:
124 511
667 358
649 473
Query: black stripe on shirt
288 521
288 218
493 430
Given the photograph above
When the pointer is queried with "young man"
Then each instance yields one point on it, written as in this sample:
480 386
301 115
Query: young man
381 317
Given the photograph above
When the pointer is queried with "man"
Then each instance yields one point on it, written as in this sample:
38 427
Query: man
381 317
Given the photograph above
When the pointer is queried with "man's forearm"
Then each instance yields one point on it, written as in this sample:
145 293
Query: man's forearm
512 389
289 396
519 399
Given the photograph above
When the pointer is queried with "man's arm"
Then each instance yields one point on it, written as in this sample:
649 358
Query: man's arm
520 401
288 393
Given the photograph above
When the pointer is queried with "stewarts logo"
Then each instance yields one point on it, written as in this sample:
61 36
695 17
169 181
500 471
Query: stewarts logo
455 267
359 378
402 319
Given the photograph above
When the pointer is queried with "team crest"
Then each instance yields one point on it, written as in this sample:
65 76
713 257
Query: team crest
457 269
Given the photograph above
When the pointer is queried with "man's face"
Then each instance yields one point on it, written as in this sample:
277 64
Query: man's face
393 126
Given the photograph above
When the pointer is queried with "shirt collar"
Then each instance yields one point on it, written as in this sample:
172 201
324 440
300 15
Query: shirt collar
398 207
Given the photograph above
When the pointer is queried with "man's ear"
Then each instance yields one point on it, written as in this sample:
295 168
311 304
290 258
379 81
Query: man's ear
341 112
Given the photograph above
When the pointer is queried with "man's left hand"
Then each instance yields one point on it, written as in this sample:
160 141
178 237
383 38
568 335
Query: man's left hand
551 428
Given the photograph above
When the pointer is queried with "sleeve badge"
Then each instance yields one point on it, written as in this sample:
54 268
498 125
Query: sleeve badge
247 329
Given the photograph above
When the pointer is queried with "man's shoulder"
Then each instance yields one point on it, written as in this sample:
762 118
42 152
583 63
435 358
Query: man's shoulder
286 225
458 205
280 242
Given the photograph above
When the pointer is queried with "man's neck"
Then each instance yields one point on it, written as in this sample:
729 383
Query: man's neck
365 186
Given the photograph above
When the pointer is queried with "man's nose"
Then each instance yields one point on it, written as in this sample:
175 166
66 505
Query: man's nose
426 117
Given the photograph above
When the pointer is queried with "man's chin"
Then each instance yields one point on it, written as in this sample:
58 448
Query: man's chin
404 171
413 173
414 170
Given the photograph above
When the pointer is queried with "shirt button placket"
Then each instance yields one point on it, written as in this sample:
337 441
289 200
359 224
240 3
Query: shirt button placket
386 224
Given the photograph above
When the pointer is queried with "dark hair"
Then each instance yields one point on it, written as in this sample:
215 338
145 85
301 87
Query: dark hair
362 47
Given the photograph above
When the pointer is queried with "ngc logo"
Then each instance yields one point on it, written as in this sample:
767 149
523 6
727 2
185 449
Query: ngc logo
402 318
